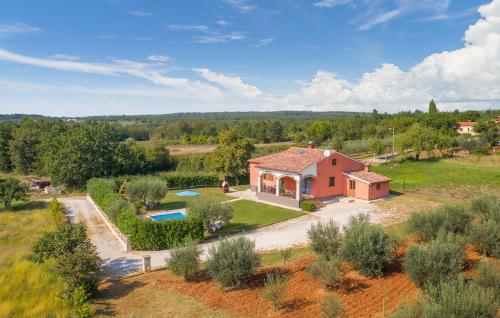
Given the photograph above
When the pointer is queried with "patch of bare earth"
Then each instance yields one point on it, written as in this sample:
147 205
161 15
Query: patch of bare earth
361 296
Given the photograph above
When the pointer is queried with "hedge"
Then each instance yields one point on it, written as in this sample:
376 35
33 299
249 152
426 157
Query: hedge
308 206
145 234
179 180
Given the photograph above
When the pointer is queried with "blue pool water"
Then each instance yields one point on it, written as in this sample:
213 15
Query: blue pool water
187 193
169 216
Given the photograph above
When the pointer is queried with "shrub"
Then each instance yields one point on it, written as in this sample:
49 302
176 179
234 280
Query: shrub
325 238
332 307
147 190
486 237
429 263
488 276
329 271
81 304
463 299
233 262
57 212
366 247
274 289
82 268
451 218
486 204
184 259
53 244
180 180
308 206
286 254
209 210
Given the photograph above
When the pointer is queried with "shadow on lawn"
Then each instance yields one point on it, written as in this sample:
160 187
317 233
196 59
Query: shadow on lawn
112 290
29 205
173 205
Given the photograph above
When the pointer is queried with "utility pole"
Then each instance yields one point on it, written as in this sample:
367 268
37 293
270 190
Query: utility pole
392 128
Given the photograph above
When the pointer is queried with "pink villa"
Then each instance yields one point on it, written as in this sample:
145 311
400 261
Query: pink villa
298 174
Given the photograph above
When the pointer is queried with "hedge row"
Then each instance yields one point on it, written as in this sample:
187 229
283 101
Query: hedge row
145 234
179 180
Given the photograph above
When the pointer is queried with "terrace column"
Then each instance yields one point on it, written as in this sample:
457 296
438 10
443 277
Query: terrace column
277 187
298 181
259 183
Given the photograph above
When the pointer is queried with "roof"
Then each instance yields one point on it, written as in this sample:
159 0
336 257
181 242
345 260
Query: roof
291 160
367 176
466 123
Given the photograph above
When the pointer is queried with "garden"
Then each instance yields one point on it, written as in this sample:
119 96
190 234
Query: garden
444 263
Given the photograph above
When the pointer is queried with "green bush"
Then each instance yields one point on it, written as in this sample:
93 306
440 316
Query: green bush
325 238
485 235
463 299
286 254
56 210
184 259
146 190
332 307
233 262
80 302
366 247
451 218
209 210
488 276
486 204
274 289
329 271
429 263
308 206
179 180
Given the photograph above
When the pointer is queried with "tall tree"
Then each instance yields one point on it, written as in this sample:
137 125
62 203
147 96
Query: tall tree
11 189
231 156
24 146
5 138
419 138
432 107
85 151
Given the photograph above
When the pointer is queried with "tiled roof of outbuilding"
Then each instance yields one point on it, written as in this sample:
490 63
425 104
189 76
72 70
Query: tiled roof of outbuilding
367 176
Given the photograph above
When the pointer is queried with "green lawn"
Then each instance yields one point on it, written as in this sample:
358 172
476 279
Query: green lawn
27 289
172 201
469 173
249 215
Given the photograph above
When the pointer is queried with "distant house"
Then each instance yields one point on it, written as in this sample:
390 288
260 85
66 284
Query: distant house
307 173
466 127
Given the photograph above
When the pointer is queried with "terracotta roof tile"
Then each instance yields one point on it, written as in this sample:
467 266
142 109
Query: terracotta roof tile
291 160
367 176
466 123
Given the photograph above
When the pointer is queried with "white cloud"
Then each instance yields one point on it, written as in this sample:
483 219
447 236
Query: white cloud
264 42
188 27
159 58
331 3
16 28
65 57
216 37
233 84
223 22
241 5
140 13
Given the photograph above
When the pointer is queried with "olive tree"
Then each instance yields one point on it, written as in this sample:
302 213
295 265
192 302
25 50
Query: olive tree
147 191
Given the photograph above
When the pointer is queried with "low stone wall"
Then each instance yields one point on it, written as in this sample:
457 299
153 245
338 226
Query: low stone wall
122 238
278 200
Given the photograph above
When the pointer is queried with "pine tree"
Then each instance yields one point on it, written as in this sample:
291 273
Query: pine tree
432 107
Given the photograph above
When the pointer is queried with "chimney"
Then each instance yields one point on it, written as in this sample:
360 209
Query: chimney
367 167
310 144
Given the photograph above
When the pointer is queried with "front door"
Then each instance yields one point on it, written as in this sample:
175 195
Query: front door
307 186
352 188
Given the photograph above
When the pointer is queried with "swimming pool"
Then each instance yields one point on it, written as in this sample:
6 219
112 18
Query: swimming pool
168 216
187 193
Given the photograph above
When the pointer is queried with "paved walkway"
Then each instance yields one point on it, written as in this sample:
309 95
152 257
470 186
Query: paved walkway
285 234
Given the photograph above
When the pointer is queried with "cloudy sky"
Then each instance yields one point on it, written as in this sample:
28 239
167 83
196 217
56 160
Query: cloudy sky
96 57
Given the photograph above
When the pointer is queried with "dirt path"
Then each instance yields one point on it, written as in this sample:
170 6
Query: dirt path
289 233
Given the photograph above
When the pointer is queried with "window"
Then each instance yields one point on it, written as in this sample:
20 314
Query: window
269 177
377 186
332 181
334 162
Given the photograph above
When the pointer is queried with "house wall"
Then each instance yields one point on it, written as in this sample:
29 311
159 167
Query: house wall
289 183
382 192
320 185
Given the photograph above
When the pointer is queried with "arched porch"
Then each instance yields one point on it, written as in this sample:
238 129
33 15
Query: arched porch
280 188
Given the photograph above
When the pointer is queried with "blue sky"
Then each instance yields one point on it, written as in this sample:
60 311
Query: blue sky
132 57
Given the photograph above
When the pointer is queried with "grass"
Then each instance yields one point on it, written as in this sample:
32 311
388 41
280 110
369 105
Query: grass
270 259
249 215
470 173
172 201
27 289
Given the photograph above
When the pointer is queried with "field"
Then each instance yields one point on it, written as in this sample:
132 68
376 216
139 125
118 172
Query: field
463 176
27 289
185 149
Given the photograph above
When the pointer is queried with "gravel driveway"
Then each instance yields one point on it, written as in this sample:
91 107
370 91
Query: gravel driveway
289 233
